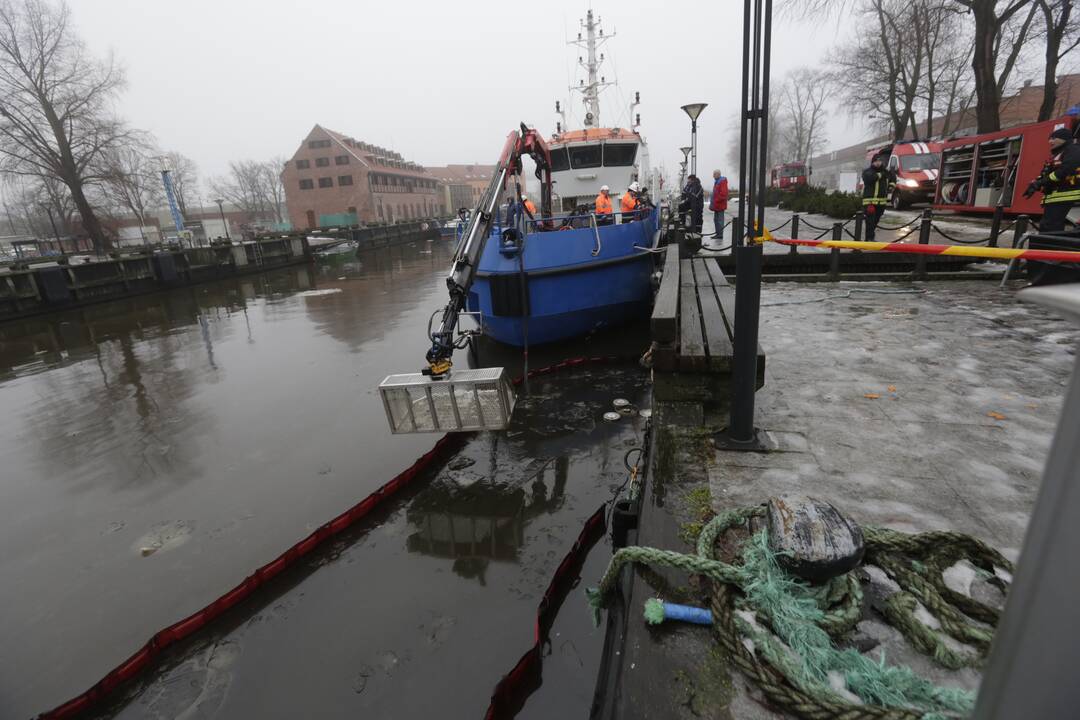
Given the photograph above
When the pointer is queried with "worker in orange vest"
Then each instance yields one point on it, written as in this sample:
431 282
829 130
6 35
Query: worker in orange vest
529 206
604 210
629 202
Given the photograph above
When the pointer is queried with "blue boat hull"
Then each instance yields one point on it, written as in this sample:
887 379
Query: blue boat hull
570 291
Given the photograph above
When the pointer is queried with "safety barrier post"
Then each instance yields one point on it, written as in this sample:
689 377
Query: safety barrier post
858 224
794 249
1019 230
924 239
995 226
834 254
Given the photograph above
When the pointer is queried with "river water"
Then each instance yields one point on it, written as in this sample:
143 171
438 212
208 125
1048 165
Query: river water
154 451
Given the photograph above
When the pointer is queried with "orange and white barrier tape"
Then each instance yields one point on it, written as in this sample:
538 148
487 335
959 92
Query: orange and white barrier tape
964 250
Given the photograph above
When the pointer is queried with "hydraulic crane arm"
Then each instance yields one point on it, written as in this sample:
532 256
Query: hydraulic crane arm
467 257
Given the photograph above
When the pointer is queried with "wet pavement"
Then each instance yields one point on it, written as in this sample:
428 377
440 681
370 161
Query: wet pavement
156 450
913 406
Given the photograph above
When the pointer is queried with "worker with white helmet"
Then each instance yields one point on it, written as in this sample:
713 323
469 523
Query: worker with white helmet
630 202
604 209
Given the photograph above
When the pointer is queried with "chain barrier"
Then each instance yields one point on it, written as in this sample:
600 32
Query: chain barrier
781 227
826 232
813 226
906 235
145 657
899 227
961 241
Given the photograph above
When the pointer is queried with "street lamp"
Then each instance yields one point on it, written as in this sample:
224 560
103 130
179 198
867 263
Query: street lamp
682 175
694 110
221 209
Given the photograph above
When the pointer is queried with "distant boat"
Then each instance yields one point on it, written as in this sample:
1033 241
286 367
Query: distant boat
341 251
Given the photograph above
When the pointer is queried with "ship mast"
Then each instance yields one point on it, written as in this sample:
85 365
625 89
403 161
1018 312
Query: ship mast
591 42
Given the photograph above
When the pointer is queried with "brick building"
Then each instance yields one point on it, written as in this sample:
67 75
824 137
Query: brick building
1020 108
462 185
333 179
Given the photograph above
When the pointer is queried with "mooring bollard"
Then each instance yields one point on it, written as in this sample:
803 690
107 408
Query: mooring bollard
834 254
859 216
794 249
995 226
1020 230
924 239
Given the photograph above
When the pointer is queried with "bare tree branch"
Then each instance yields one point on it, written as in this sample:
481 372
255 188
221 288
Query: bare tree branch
56 118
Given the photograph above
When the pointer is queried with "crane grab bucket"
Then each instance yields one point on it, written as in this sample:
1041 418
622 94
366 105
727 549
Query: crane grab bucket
463 400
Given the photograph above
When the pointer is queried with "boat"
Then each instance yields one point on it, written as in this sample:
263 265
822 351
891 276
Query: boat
339 252
573 275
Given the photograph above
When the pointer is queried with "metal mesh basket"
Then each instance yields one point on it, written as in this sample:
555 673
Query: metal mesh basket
463 400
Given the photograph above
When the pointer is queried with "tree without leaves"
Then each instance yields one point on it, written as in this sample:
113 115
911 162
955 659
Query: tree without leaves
880 74
802 108
255 188
999 30
55 117
185 178
1061 28
132 182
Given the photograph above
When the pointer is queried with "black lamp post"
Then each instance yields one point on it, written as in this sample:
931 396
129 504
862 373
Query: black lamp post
221 209
694 110
754 140
682 175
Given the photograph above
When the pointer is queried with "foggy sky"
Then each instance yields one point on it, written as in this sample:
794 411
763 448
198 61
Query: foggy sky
440 82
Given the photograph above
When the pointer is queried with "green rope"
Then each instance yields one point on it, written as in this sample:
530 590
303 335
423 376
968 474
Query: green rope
794 657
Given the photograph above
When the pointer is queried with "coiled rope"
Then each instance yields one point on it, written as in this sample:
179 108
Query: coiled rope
791 655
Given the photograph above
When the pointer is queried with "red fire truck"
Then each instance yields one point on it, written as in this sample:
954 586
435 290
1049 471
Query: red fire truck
980 172
916 166
788 176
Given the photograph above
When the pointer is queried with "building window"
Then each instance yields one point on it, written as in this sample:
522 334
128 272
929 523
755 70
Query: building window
352 210
303 164
344 180
326 182
341 159
380 212
315 144
322 162
393 181
306 184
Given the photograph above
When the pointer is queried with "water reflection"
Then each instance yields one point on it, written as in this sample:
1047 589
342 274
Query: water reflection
229 416
474 521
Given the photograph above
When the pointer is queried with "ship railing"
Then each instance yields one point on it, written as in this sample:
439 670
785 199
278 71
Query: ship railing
587 220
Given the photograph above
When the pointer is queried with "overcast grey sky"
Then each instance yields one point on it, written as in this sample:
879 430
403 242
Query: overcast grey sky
440 82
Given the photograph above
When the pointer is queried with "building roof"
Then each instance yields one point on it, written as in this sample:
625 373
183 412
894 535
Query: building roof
373 156
462 173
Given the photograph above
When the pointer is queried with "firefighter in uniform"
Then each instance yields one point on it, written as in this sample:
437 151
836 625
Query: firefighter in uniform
1059 181
628 203
878 183
604 210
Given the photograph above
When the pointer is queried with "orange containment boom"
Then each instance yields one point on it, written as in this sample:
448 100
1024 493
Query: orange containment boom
965 250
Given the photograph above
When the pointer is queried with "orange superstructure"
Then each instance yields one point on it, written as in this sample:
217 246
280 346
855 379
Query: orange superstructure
571 136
